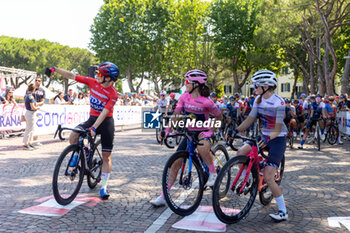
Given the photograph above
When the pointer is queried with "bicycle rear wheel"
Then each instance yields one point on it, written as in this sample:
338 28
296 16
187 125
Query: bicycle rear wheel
265 195
157 133
234 206
67 180
170 142
185 189
95 165
290 137
333 134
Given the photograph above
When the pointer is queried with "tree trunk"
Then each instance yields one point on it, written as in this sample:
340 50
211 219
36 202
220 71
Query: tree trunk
296 74
235 79
305 84
129 77
326 82
312 75
345 77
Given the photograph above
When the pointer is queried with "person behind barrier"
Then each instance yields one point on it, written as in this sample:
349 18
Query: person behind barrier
30 114
103 97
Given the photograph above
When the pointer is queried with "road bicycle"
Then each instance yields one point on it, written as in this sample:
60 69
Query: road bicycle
332 132
185 175
290 136
238 200
75 161
170 142
314 135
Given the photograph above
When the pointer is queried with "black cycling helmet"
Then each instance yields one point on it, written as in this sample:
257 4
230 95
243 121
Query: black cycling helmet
236 95
213 94
287 101
232 98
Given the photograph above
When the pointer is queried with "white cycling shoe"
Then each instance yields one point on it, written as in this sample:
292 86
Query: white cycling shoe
279 216
211 179
158 202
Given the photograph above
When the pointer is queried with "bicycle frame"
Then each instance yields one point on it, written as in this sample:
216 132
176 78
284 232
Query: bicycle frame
254 159
83 134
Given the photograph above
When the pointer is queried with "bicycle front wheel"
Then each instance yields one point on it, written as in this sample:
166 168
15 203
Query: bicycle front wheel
95 165
183 189
234 205
67 176
333 134
318 137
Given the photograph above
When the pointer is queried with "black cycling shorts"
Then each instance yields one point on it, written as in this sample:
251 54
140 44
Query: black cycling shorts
106 129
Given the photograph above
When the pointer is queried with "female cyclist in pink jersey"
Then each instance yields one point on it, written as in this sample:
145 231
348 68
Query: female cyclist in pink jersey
196 102
103 97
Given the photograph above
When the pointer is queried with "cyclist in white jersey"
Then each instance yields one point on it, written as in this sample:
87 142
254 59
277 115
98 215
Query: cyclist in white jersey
270 109
162 104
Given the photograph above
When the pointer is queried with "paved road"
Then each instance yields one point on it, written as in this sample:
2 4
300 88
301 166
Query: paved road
316 186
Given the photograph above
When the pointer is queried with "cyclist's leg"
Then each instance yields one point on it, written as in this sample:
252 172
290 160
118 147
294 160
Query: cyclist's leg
208 158
160 201
73 137
106 129
277 147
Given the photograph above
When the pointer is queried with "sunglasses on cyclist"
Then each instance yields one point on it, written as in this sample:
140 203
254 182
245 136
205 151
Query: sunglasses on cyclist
188 82
98 73
255 86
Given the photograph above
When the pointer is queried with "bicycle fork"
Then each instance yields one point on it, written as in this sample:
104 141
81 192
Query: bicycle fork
233 186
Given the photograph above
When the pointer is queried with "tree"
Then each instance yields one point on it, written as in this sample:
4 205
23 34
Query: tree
234 23
36 55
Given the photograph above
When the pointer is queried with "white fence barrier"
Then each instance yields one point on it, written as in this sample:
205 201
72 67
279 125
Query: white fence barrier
344 122
49 116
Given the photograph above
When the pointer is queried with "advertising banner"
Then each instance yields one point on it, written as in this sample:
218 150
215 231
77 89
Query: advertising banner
344 122
51 115
10 117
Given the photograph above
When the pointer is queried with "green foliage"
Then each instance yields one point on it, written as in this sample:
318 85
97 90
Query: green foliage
36 55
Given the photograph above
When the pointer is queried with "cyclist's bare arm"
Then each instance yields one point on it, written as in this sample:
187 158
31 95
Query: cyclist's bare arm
101 118
218 118
65 73
246 124
324 113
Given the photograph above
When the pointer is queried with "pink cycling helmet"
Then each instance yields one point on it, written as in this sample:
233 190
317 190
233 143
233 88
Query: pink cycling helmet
196 76
172 95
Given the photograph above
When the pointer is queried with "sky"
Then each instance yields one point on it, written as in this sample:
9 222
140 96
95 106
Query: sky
66 22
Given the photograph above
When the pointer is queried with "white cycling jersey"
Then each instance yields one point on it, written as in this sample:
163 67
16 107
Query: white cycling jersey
271 112
161 104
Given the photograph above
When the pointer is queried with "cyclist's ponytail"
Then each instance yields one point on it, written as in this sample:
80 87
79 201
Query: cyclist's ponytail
204 90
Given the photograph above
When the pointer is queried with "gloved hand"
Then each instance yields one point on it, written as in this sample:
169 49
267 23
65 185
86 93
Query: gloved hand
50 71
207 134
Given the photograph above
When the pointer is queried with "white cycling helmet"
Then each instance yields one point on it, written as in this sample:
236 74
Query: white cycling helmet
264 78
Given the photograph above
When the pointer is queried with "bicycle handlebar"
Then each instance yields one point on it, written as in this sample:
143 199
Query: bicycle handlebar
60 129
256 142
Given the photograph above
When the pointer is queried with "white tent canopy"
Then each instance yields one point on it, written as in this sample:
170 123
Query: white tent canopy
21 91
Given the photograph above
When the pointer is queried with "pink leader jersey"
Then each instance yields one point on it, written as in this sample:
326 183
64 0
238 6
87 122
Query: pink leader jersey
201 107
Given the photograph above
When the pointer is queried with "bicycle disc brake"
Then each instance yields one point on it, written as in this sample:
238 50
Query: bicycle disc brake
187 182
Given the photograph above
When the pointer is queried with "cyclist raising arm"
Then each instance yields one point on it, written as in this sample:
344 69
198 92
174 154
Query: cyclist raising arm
103 97
270 109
